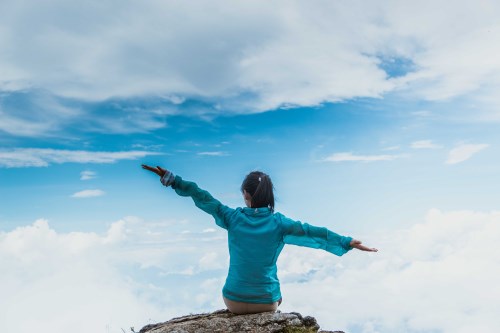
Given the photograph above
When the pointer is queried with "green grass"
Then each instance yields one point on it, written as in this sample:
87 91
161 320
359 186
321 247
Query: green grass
299 330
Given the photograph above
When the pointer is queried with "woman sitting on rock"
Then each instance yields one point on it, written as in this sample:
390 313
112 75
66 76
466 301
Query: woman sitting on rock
256 236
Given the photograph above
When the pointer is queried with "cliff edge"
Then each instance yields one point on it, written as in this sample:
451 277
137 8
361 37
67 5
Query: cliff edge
223 321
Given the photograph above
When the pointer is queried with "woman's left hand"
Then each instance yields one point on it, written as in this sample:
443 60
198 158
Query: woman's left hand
158 170
357 245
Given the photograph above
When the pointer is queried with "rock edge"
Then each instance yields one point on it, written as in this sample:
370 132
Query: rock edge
223 321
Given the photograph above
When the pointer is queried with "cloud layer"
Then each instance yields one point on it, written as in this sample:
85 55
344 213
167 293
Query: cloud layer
438 276
52 278
249 56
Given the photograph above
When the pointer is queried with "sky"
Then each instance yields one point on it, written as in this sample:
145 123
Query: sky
376 119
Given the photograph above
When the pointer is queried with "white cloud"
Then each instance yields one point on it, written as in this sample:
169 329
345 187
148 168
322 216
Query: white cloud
392 148
249 56
242 48
213 153
211 260
350 157
41 157
463 152
50 278
438 276
421 113
87 175
147 147
88 194
424 144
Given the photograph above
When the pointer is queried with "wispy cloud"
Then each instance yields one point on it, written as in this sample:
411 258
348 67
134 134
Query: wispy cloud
213 153
421 113
88 194
87 175
463 152
350 157
41 157
35 113
147 147
397 147
425 144
17 126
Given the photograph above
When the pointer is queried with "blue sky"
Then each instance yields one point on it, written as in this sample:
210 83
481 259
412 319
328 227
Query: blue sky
378 121
409 152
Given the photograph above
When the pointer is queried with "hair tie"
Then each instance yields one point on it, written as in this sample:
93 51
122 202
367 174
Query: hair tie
260 179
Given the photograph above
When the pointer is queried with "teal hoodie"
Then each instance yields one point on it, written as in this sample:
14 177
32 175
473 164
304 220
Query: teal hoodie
256 237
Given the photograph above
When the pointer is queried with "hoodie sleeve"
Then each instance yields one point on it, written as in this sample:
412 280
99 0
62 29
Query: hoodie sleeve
203 200
304 234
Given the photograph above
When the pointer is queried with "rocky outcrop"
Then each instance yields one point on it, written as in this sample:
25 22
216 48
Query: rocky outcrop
223 321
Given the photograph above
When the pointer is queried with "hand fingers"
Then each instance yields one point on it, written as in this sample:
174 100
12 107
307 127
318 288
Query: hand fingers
357 245
161 169
368 249
364 248
147 167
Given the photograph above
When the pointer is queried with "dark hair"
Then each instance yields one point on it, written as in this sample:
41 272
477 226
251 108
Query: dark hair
260 187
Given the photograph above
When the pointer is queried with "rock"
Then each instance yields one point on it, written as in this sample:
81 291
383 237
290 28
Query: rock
223 321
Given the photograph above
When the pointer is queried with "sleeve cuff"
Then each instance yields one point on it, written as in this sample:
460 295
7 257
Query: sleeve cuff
346 243
168 178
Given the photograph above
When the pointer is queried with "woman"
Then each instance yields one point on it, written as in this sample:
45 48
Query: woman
256 236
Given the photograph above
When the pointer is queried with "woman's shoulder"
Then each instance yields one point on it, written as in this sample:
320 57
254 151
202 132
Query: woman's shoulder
278 215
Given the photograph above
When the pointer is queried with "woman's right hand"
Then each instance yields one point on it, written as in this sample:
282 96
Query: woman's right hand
357 245
158 170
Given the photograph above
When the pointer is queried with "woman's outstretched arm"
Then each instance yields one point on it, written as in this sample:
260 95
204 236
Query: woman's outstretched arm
304 234
202 199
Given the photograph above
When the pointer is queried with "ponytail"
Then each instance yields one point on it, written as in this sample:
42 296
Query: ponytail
260 187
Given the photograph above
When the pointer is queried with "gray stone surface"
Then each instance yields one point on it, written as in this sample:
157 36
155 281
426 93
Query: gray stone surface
223 321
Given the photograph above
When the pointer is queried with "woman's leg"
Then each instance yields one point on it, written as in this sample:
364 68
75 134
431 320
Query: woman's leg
247 308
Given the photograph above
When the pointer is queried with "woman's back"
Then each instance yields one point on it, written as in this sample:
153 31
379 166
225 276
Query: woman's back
255 239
